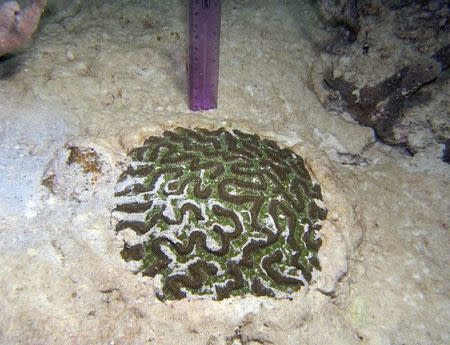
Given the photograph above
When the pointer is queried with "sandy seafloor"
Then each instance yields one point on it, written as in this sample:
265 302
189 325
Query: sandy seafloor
110 75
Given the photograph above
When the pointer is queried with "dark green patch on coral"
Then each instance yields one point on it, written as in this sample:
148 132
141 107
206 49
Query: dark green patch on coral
220 213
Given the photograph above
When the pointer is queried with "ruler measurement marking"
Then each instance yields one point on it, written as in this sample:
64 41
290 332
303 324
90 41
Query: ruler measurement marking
204 44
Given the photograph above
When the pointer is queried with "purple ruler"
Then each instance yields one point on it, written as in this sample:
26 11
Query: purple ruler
204 44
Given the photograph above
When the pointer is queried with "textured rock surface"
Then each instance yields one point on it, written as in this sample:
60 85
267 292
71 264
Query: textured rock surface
393 74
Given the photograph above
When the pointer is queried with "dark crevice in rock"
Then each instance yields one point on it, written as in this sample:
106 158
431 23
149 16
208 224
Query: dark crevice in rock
442 56
446 153
342 13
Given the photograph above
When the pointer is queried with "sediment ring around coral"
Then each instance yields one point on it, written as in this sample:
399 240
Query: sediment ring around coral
220 213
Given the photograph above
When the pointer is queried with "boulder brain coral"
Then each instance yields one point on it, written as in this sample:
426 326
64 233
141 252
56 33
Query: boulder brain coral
219 213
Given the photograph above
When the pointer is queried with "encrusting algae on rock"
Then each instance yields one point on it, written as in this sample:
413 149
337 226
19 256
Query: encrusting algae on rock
219 214
18 25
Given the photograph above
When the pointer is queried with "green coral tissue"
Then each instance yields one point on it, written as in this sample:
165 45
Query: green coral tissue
219 214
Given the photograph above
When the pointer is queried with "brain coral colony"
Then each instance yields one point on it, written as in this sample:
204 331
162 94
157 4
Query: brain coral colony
219 214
